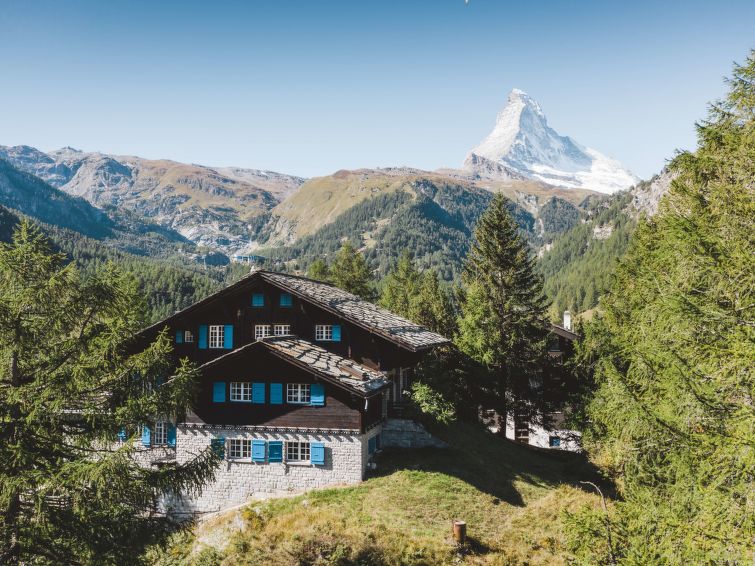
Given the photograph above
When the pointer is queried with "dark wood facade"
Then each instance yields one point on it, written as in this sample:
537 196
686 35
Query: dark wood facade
342 409
234 307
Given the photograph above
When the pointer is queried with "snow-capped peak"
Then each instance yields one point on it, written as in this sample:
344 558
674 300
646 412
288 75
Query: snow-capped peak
523 142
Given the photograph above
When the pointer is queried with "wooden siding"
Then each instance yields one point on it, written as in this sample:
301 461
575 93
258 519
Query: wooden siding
235 308
342 410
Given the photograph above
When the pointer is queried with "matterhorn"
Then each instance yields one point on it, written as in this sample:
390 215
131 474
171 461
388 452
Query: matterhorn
523 145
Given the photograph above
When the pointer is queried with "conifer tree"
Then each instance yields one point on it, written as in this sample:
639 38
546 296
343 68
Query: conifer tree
401 286
502 324
73 400
672 419
349 271
318 270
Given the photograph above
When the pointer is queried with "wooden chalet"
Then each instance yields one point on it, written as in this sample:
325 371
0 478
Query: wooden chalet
297 379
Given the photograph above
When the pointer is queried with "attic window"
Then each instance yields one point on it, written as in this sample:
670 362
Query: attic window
188 336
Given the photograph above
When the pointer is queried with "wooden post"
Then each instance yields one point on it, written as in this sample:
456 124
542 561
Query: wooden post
460 531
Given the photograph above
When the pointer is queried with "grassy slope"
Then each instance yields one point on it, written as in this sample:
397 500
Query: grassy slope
512 498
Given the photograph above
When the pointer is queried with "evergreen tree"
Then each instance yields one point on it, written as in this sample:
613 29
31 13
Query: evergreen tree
318 270
672 418
503 310
401 286
349 271
70 491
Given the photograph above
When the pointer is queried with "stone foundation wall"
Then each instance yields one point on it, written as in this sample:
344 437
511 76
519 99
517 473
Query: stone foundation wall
405 433
236 481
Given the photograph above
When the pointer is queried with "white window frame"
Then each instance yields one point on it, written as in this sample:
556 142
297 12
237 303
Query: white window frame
298 393
188 336
298 451
324 332
239 449
262 331
217 336
241 391
281 329
160 436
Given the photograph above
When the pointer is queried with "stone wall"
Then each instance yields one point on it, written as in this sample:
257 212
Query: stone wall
236 481
405 433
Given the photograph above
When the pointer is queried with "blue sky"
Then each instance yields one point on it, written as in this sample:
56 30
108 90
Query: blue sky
311 87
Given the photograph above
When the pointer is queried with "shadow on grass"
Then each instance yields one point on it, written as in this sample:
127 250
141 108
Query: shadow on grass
492 464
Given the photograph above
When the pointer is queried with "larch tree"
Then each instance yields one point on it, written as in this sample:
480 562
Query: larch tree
350 272
318 270
73 401
502 323
672 420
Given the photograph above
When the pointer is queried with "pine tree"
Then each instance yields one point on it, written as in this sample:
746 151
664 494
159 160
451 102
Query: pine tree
70 491
401 286
318 270
349 271
672 418
503 311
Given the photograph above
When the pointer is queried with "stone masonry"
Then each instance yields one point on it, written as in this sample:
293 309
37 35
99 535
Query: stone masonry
237 481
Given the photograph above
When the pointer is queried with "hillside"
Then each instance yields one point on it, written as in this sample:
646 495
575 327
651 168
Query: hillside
212 207
512 498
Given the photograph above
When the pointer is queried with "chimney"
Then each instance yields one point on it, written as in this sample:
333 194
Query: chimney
567 320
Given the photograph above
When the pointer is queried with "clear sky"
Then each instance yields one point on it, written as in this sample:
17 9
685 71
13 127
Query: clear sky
314 86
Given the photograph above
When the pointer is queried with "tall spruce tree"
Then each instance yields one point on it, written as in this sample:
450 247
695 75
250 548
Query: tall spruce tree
73 400
502 324
401 286
673 418
318 270
349 271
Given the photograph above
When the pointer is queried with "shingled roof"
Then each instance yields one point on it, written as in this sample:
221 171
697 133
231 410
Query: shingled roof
358 311
331 367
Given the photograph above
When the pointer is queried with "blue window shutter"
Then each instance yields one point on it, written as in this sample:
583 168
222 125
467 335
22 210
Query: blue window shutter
317 453
258 300
258 393
258 450
171 434
276 393
317 395
218 446
202 336
371 445
336 333
146 436
179 336
275 451
228 337
286 300
122 436
218 392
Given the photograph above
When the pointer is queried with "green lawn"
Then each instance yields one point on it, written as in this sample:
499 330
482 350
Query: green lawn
511 497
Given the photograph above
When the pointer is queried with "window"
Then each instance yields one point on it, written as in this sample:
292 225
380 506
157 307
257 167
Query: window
298 393
554 442
286 300
239 448
324 332
261 331
161 433
241 391
258 300
188 336
217 336
297 451
282 329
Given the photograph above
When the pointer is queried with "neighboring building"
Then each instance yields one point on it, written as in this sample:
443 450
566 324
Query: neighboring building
297 380
555 436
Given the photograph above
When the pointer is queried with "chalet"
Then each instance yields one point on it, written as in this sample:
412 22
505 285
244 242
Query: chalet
554 434
298 379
